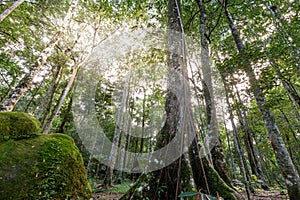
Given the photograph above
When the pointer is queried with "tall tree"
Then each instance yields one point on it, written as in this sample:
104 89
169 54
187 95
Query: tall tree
285 163
208 92
237 143
26 81
116 138
187 173
168 182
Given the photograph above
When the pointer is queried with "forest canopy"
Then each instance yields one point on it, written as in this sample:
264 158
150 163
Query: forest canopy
178 98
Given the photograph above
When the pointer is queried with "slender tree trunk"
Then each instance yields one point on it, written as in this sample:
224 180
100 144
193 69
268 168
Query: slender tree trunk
290 127
230 159
252 156
294 98
26 81
197 90
115 142
10 86
143 120
10 9
49 97
77 65
67 116
33 96
237 143
262 160
47 109
50 91
292 92
92 153
284 161
288 86
125 141
61 100
279 23
294 150
211 113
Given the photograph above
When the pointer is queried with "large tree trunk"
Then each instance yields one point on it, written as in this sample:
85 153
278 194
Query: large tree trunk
26 82
180 176
206 177
284 161
169 181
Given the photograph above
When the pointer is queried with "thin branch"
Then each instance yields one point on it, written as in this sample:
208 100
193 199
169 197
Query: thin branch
218 20
191 19
10 9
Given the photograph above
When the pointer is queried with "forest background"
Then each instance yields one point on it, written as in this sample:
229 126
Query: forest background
244 83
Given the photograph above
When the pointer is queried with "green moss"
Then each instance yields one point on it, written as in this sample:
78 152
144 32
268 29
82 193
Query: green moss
217 185
44 167
17 125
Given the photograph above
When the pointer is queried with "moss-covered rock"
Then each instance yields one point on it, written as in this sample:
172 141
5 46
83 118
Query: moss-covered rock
43 167
17 125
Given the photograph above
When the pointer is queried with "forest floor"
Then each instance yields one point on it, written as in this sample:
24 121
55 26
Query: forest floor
101 192
258 195
268 195
106 196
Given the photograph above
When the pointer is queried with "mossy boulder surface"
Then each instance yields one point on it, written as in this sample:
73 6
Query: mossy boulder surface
17 125
43 167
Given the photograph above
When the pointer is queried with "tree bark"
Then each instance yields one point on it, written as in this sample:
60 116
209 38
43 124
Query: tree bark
230 151
169 181
291 128
26 81
288 170
50 91
33 96
237 143
248 141
187 172
115 142
211 113
67 116
10 9
61 100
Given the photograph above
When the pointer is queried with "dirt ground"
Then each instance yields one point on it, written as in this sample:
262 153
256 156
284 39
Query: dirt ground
106 196
269 195
258 195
